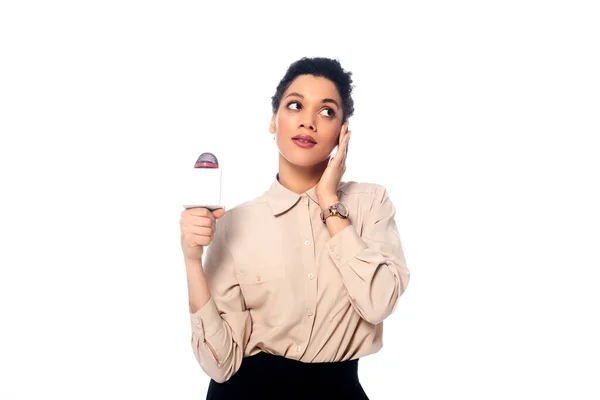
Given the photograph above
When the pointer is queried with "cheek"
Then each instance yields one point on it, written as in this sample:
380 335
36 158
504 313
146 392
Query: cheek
334 137
285 121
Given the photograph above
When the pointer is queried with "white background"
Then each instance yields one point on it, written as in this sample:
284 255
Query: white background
481 119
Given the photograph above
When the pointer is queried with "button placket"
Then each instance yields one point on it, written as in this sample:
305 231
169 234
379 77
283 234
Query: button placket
308 253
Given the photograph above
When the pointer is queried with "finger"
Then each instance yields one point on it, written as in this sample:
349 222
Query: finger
347 145
344 147
339 155
200 212
219 213
198 240
343 131
194 220
198 230
346 139
348 142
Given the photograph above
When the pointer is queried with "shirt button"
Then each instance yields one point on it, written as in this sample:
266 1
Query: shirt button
307 242
310 276
258 277
310 313
298 349
338 258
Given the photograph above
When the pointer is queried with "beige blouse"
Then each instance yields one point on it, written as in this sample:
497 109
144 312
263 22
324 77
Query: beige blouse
281 284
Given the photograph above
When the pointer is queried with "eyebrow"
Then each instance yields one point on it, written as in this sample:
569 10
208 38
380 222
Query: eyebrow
322 101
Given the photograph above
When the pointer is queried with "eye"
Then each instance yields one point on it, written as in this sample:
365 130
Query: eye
294 102
332 113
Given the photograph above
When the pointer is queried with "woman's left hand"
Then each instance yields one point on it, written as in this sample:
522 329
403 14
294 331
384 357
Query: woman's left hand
328 184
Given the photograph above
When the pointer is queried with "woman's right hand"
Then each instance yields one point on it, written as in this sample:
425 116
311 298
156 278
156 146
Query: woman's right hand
198 226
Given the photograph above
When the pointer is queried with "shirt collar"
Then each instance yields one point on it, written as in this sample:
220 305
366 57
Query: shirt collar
281 199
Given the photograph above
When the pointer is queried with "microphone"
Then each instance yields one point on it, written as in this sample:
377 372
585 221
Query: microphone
203 184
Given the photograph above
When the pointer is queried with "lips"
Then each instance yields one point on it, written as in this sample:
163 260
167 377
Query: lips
306 138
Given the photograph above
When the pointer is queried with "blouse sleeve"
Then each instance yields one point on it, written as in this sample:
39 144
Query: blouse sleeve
372 266
221 328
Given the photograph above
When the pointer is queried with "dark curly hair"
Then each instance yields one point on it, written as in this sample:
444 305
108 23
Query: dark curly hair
323 67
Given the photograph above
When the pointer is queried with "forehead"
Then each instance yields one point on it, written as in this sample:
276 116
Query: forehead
313 88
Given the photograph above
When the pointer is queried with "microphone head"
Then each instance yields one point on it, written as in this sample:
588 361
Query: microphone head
207 160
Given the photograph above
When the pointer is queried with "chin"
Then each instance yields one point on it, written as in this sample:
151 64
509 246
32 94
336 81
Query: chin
303 158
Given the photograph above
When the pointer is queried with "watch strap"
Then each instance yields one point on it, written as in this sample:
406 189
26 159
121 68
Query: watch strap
329 211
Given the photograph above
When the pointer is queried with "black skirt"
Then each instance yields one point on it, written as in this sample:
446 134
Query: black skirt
265 376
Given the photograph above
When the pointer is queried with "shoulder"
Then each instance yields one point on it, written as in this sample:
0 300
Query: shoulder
361 198
365 199
242 212
250 206
354 188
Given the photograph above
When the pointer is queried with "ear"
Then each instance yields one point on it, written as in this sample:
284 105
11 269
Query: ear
272 124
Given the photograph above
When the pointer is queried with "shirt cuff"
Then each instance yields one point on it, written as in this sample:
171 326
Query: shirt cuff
344 246
206 321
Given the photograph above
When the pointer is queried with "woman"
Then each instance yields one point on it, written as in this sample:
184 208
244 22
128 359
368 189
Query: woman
296 283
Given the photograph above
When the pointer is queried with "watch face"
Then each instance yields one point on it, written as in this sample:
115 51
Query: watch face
342 209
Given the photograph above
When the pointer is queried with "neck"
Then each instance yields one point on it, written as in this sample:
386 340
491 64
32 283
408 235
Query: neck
300 179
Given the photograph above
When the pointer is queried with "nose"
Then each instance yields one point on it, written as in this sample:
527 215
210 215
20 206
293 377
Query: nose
307 122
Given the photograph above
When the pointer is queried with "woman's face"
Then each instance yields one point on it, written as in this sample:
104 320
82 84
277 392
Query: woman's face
310 106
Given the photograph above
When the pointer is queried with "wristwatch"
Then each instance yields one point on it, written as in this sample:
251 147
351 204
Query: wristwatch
339 209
